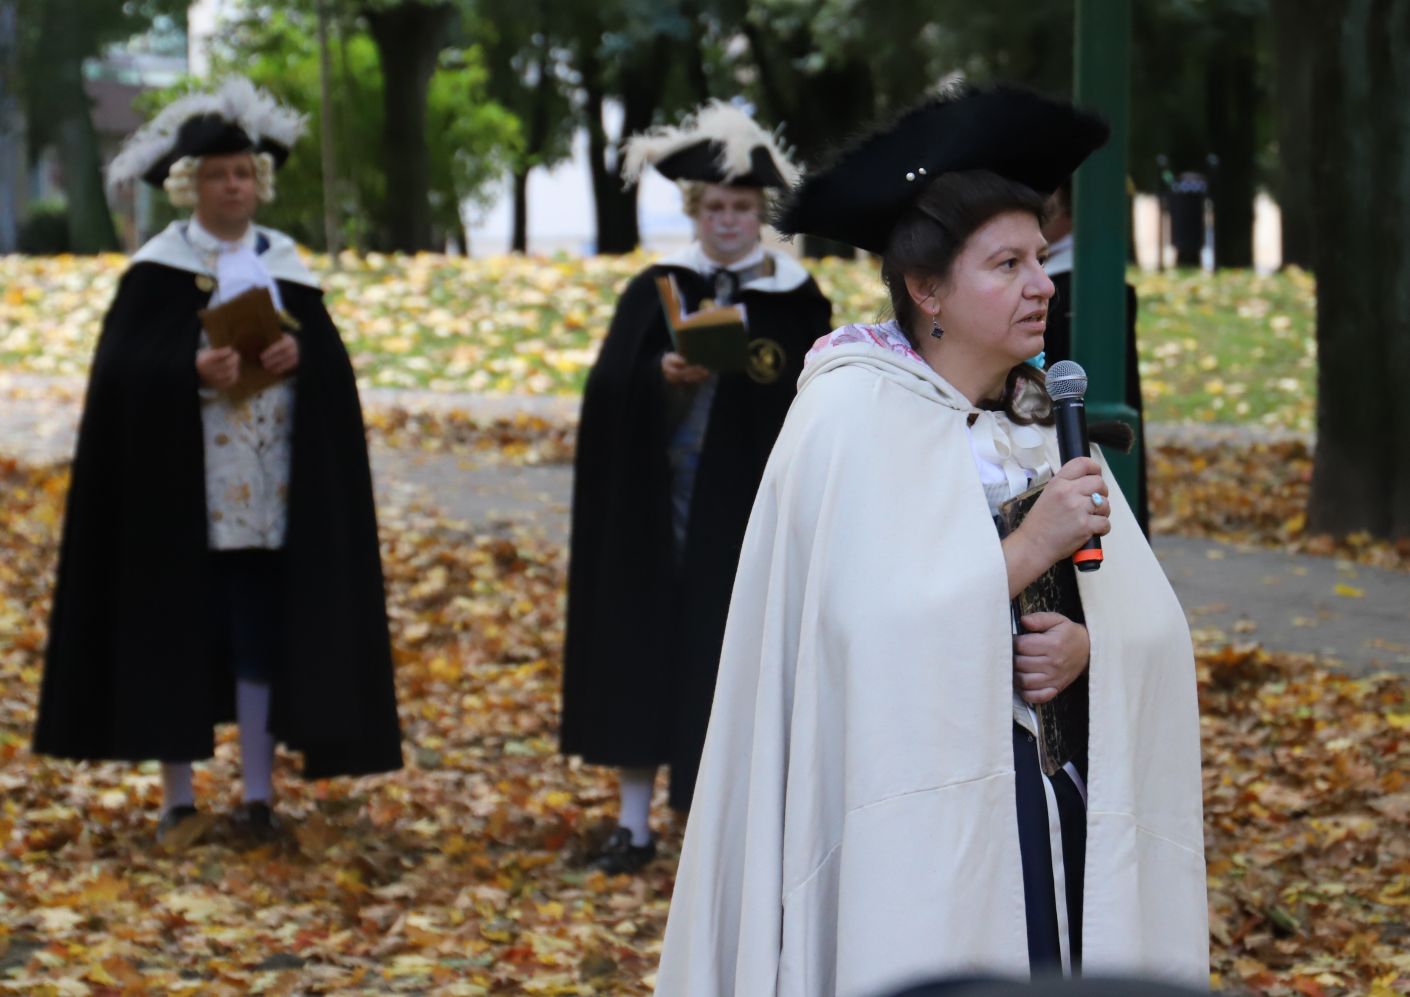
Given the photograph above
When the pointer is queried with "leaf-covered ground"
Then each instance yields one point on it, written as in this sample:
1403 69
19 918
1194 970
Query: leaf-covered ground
1231 347
461 875
1251 491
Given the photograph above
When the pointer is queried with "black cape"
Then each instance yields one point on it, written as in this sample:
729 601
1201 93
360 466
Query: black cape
644 631
1057 345
132 670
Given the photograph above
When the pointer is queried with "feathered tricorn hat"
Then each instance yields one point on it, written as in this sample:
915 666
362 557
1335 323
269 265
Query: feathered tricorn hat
861 195
718 143
237 117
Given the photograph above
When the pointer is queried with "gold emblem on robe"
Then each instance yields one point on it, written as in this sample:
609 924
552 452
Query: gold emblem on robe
766 360
205 283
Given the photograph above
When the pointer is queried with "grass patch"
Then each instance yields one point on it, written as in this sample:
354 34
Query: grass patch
1234 347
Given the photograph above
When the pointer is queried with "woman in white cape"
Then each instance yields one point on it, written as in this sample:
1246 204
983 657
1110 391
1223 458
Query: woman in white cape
869 763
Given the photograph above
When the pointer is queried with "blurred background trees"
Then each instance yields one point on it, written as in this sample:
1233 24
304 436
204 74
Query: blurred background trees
437 106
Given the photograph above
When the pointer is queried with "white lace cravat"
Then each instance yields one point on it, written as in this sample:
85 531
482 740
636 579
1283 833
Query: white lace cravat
239 268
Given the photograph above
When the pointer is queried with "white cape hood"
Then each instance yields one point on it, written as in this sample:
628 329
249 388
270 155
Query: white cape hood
170 248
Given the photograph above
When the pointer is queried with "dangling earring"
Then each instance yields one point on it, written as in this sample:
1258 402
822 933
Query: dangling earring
935 329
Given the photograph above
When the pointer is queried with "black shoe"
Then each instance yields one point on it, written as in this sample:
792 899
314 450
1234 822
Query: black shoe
255 820
620 856
181 827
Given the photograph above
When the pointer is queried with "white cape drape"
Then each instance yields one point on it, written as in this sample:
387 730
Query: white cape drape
854 825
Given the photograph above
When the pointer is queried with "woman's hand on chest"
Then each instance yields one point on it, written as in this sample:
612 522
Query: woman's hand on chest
1050 656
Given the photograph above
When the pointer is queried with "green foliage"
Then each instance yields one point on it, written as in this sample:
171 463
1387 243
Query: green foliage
473 140
526 75
45 230
470 136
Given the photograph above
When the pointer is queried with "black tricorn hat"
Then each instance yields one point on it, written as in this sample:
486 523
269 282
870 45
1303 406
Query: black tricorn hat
718 143
237 117
859 197
702 161
212 135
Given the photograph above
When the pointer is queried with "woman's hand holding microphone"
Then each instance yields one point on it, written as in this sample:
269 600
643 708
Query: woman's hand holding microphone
1072 508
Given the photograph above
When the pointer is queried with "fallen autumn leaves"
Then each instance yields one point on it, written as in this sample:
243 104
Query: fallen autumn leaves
461 876
458 874
1237 488
1232 346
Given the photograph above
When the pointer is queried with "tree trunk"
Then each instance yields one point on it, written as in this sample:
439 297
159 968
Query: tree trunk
1359 52
535 141
409 39
816 107
692 54
10 135
615 207
639 88
325 112
1291 104
70 125
91 228
641 85
1232 99
519 241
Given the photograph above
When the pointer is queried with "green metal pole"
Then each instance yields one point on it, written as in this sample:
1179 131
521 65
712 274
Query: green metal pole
1103 82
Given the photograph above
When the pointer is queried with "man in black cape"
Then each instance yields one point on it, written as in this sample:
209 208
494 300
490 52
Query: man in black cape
166 600
669 458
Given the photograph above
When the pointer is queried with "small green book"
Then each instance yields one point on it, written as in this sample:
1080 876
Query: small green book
714 336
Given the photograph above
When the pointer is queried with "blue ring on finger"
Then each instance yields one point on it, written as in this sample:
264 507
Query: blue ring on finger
1097 500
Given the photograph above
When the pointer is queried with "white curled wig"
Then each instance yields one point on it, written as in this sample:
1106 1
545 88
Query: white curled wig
180 183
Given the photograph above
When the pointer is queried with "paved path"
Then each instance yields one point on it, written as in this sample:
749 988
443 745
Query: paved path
1286 602
1356 616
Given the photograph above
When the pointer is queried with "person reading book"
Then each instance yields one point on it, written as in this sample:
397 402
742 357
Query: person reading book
669 455
714 337
870 808
201 575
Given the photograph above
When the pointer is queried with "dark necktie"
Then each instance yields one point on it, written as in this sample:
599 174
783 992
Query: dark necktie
726 283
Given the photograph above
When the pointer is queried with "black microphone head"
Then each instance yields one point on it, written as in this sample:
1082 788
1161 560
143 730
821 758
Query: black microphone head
1066 380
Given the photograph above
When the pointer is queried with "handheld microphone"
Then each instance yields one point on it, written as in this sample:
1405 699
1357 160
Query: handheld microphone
1067 383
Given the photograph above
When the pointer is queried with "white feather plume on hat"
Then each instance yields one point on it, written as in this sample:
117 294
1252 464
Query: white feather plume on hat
718 121
237 100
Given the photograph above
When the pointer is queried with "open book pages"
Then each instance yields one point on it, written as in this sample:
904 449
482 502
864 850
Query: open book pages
714 336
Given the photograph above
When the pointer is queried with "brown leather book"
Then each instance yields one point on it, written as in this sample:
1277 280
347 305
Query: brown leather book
1063 721
249 324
